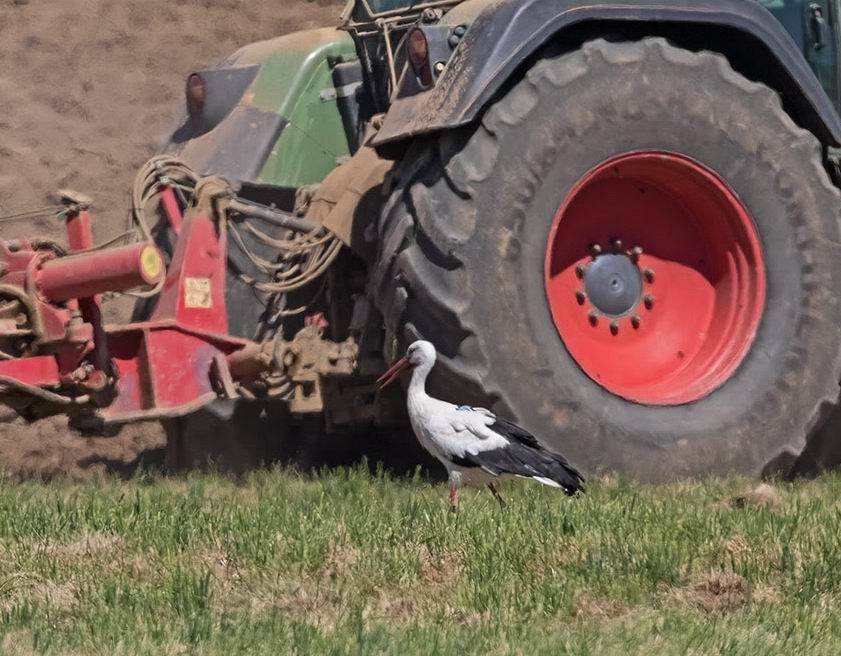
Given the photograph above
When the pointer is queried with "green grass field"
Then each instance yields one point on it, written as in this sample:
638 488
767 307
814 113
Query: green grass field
349 563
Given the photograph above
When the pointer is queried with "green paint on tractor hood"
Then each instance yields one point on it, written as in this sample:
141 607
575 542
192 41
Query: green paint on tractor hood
271 117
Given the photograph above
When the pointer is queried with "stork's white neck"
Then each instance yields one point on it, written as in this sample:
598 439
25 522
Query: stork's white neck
417 385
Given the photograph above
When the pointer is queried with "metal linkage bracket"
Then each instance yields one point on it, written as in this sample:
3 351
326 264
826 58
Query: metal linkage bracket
307 360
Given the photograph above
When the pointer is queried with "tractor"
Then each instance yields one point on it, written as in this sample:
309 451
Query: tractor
619 223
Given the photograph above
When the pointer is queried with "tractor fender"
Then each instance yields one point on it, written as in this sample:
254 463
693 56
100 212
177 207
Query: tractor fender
506 33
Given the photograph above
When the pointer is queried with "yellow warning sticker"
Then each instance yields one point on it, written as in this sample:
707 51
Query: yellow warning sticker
197 293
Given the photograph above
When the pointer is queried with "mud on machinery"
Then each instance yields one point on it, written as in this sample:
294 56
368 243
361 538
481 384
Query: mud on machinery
618 223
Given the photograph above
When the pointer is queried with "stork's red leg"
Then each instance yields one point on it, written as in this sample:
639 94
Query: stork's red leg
453 496
496 494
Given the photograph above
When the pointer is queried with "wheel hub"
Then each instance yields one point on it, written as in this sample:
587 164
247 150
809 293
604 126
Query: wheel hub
655 278
613 283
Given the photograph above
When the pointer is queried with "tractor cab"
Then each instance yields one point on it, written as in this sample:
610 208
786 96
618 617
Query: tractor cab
368 9
813 24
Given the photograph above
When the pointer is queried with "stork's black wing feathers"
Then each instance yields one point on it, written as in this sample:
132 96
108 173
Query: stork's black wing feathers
524 456
521 460
515 433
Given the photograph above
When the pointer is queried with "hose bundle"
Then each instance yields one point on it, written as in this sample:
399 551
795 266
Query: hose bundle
302 257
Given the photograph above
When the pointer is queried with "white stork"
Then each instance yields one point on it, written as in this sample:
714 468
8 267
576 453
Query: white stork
475 446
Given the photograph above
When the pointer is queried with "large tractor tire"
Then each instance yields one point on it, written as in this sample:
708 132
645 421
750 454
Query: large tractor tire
635 254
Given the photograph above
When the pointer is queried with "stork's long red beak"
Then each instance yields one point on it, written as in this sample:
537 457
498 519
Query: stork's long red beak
392 374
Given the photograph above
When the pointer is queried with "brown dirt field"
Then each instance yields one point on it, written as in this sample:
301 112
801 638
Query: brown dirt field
88 91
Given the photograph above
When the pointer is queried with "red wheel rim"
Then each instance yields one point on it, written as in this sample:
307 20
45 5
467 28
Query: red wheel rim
655 278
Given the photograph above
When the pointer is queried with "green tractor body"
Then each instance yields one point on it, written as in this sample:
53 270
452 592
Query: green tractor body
277 100
484 163
291 79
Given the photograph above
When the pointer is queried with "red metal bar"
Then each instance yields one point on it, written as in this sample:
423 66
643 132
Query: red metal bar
171 209
80 238
88 274
41 370
79 230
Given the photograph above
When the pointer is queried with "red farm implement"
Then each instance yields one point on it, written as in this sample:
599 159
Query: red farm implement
59 356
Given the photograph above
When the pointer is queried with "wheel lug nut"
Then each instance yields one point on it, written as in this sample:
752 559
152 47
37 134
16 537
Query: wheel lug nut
636 321
617 244
580 270
580 297
636 252
614 327
649 275
595 249
649 301
593 318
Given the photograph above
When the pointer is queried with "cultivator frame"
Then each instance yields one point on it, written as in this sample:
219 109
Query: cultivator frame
62 358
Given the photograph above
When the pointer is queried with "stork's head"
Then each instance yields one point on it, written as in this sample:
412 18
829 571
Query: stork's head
420 354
